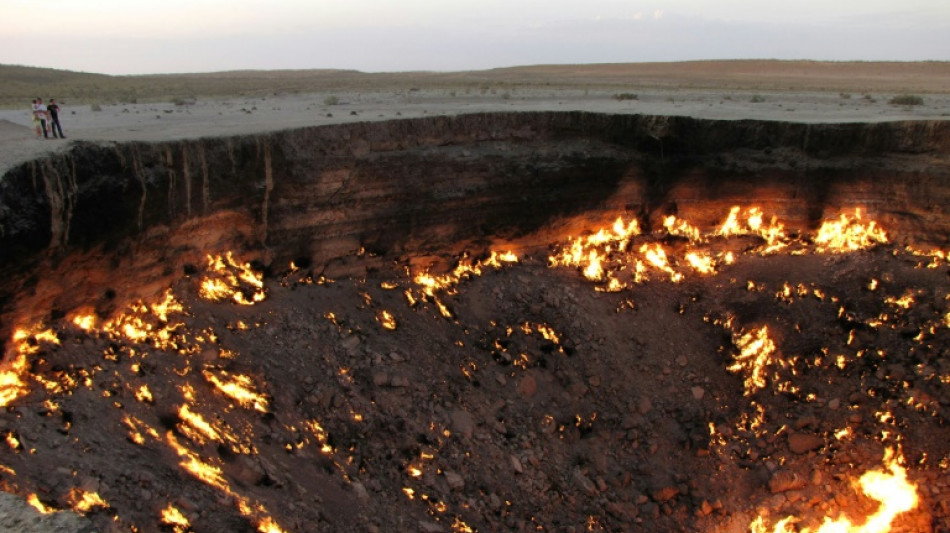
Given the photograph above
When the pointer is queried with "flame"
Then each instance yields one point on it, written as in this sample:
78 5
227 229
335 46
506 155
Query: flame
755 354
773 233
232 280
26 342
888 486
199 424
681 228
848 234
85 322
143 394
239 388
589 252
173 517
701 262
430 284
83 502
656 256
11 386
35 503
387 320
207 473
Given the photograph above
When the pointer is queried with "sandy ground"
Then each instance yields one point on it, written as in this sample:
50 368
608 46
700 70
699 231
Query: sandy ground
166 121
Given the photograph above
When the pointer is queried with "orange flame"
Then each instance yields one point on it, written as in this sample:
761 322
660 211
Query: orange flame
888 486
229 280
755 354
173 517
848 234
239 388
83 501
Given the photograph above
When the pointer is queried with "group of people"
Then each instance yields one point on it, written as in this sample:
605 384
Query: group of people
46 119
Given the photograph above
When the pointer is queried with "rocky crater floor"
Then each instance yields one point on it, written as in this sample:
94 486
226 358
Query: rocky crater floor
500 395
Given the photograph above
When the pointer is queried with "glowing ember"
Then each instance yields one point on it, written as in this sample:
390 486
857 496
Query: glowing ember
888 486
848 234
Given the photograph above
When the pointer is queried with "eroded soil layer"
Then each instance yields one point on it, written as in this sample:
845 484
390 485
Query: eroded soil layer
74 226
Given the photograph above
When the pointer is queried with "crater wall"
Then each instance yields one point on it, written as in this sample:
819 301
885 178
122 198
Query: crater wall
107 223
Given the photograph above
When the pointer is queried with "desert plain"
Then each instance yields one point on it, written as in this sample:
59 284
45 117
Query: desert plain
189 106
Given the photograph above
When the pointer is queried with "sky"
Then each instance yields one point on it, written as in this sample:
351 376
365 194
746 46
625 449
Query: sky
174 36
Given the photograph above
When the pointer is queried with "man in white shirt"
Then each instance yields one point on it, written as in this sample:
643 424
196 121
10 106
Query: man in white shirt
40 110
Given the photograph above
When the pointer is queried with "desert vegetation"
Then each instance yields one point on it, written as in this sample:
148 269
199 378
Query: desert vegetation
906 100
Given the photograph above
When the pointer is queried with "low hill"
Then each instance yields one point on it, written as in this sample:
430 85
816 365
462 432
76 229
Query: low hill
22 84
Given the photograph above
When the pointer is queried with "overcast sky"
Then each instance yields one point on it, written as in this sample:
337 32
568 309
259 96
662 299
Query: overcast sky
165 36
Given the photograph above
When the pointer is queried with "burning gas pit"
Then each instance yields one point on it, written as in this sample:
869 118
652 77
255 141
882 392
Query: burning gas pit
659 367
758 392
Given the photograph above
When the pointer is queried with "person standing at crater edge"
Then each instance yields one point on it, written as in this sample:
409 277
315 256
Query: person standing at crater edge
39 109
54 124
35 113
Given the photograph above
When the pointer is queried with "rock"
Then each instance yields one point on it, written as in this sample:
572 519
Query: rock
516 464
803 442
644 405
430 527
584 483
462 423
455 481
698 392
785 480
360 491
623 510
528 386
834 404
380 379
664 494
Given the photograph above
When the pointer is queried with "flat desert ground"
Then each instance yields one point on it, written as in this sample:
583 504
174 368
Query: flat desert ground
806 92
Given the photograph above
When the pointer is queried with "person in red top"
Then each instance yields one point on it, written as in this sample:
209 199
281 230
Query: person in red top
54 124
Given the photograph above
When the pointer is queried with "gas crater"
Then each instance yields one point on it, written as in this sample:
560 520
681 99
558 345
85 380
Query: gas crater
497 322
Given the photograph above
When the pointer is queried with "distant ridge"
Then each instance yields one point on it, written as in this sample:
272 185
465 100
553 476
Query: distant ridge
22 83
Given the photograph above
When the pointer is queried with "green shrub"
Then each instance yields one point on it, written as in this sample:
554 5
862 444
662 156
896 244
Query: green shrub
906 99
331 99
626 96
757 99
